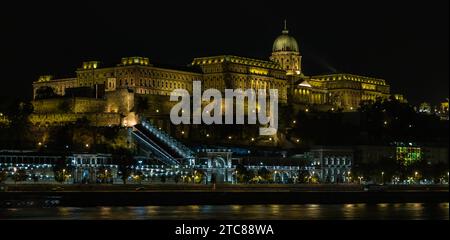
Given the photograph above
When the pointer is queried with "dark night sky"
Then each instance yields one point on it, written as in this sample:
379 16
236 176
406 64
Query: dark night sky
404 42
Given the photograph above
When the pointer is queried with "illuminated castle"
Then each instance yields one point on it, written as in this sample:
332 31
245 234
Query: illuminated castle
116 90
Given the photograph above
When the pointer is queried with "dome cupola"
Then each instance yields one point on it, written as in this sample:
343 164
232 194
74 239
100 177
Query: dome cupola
285 42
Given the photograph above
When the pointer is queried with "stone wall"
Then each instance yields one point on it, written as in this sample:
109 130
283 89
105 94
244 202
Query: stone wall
69 105
89 105
120 101
58 119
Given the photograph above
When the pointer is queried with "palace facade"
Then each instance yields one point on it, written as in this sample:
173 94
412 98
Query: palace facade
114 90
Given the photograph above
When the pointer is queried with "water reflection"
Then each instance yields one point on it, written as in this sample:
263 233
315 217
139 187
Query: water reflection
395 211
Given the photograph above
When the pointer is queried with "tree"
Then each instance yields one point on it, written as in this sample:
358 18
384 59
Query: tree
61 170
177 178
104 175
163 178
20 175
265 174
64 106
141 104
243 174
84 133
61 175
303 175
45 92
138 176
198 176
124 159
20 126
3 176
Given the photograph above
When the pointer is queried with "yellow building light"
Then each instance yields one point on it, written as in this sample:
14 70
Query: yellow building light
368 86
259 71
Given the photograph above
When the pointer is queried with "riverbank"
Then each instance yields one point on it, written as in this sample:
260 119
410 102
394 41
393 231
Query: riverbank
128 195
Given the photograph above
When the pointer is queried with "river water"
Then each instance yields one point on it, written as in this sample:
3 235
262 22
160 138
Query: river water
387 211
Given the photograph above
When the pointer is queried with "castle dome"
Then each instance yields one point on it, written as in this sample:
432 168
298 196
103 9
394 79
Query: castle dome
285 42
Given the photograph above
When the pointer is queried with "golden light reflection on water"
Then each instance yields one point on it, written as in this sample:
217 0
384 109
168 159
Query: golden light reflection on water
394 211
383 205
105 211
64 211
275 209
194 207
236 207
152 210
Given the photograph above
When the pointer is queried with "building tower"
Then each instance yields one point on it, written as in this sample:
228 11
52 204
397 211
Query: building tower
285 52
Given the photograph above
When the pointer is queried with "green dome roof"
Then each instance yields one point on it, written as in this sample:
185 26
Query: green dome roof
284 42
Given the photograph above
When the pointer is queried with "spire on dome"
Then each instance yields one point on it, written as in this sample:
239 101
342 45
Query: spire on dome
285 30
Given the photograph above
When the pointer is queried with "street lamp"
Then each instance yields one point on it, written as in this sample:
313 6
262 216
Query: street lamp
382 177
360 179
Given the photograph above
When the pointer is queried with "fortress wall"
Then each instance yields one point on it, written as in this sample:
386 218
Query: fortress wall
88 105
69 105
57 119
47 105
120 101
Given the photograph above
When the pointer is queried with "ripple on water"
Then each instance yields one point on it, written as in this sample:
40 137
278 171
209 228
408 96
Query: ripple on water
394 211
